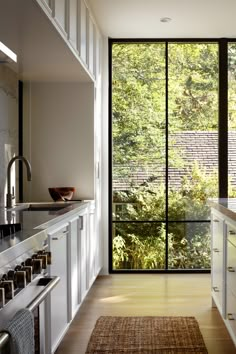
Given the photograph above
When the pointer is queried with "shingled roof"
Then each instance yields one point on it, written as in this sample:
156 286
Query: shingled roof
197 146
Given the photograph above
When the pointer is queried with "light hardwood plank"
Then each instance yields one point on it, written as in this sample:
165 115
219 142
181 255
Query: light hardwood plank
149 295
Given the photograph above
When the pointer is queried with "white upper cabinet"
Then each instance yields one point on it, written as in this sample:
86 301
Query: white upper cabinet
48 5
82 30
74 21
97 56
95 45
73 18
90 41
60 13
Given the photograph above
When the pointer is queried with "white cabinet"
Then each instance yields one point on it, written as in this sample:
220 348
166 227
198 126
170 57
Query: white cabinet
76 260
47 5
217 261
223 270
83 253
74 21
61 14
59 311
91 245
82 30
90 42
73 266
231 280
73 18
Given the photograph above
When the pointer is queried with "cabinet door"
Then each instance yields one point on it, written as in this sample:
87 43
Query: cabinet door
82 30
91 246
61 13
73 262
82 239
73 12
231 279
231 267
217 260
231 311
59 295
90 42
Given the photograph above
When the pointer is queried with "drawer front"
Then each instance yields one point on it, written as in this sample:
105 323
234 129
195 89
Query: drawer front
217 259
231 235
231 310
217 278
231 267
217 234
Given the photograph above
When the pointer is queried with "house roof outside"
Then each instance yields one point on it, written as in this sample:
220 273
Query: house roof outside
195 146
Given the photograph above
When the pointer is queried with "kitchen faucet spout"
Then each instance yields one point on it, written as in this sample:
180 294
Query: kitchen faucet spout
10 196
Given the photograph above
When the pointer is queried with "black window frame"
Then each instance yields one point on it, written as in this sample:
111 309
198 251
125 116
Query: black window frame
222 136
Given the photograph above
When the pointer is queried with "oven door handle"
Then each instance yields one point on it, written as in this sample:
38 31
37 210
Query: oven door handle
52 282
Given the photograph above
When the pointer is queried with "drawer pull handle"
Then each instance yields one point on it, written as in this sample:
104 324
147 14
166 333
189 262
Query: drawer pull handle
230 316
216 250
216 289
231 269
59 236
231 232
215 220
81 220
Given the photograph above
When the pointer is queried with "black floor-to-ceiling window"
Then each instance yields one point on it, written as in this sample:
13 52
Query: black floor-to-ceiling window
168 104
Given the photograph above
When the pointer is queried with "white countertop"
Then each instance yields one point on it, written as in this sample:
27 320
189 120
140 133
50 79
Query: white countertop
226 206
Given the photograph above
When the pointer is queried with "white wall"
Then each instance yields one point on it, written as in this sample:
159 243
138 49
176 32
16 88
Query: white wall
8 126
61 136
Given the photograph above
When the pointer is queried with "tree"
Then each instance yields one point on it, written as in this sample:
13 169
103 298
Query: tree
138 96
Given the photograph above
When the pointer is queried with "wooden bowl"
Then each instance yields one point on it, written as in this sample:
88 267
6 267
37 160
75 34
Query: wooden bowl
60 194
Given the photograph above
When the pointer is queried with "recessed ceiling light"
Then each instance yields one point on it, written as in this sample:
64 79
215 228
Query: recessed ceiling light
165 19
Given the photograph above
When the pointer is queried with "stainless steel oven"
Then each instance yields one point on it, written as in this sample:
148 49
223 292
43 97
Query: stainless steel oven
24 283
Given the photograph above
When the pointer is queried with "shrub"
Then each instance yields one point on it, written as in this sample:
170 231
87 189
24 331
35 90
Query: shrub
142 245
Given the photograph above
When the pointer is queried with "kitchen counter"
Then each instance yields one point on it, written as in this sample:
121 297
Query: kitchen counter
33 221
226 206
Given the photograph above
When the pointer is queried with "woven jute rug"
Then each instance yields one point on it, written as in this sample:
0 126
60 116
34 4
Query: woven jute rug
134 335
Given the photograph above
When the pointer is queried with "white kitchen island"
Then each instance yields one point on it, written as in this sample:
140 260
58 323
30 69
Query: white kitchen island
223 258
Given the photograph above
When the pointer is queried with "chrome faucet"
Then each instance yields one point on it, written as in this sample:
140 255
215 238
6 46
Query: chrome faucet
9 196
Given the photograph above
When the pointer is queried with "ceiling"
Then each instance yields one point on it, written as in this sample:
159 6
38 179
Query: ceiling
141 18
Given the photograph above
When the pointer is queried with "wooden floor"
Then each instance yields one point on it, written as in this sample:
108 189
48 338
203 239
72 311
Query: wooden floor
149 295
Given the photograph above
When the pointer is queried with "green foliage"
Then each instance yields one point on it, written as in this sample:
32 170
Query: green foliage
142 245
138 91
232 86
138 96
193 86
133 252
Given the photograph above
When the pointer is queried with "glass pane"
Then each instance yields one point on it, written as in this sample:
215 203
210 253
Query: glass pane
138 130
231 119
189 245
138 246
193 129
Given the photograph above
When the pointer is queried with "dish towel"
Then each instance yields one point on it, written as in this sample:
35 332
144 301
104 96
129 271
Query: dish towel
21 330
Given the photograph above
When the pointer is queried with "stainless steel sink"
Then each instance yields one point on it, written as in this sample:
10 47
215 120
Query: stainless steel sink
46 207
41 206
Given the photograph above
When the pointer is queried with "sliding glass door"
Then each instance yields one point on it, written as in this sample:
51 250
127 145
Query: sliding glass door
164 154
